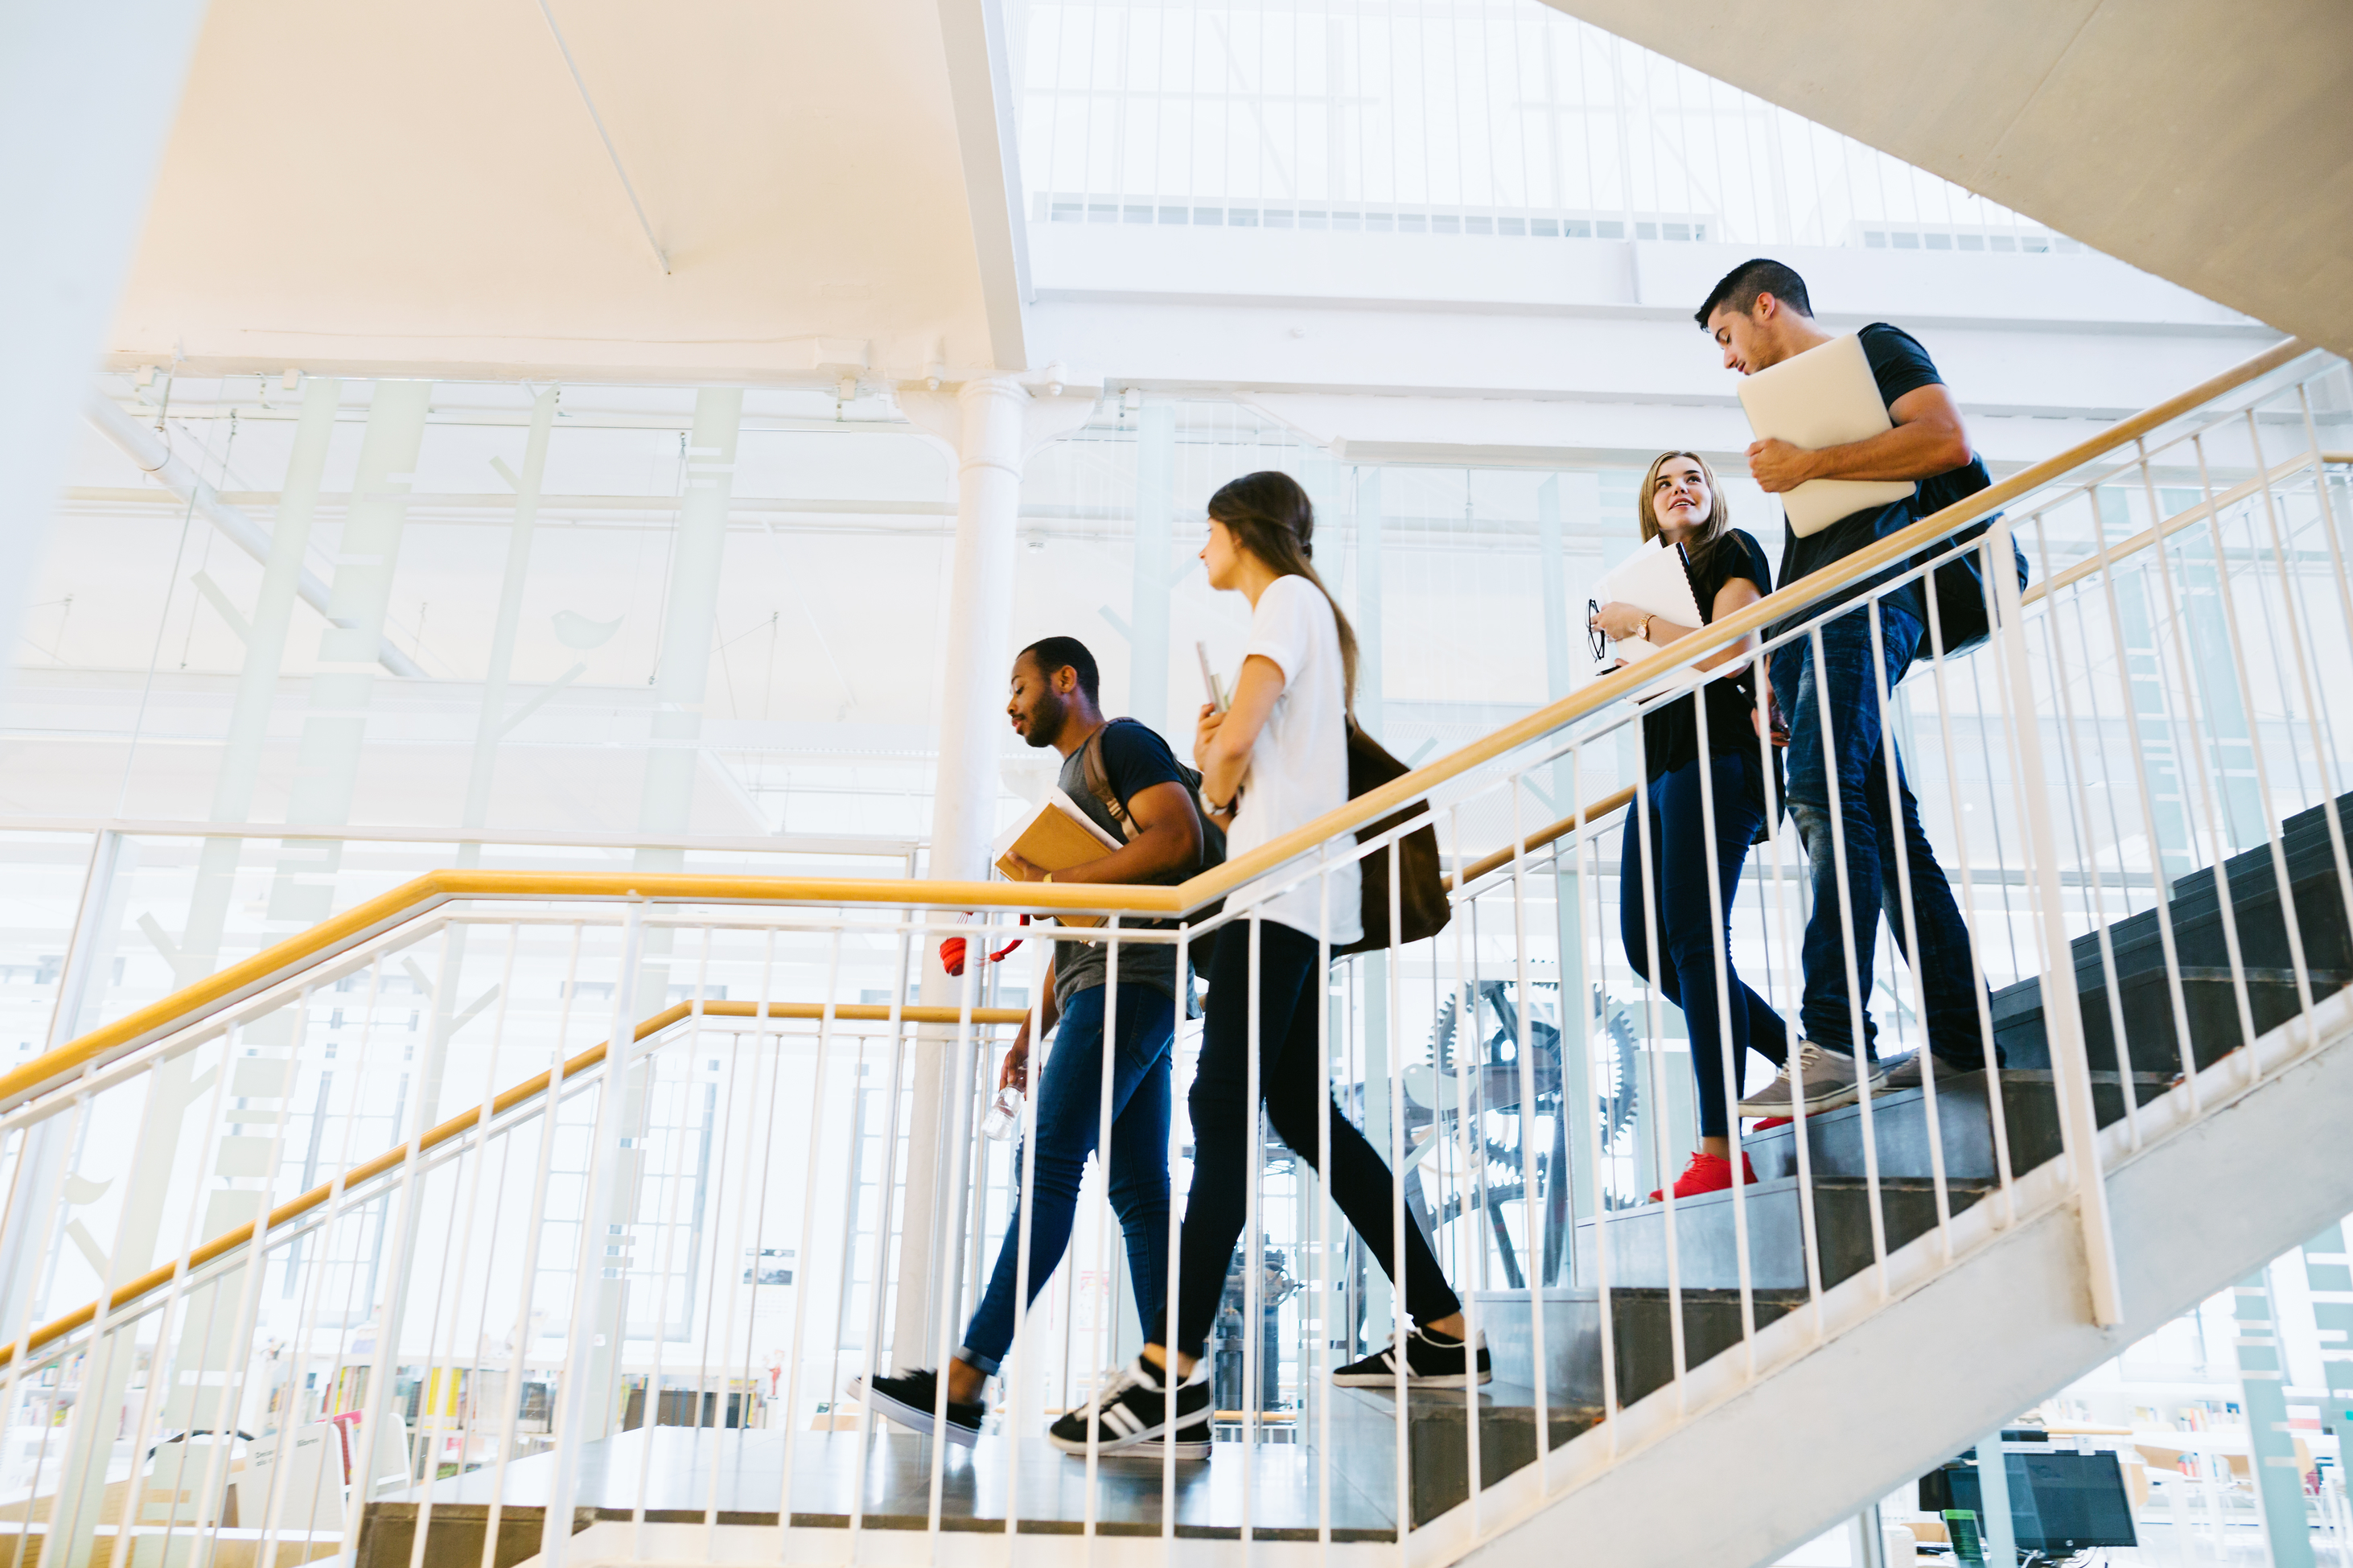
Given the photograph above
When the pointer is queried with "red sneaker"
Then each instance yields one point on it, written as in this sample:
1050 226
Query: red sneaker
1771 1122
1709 1173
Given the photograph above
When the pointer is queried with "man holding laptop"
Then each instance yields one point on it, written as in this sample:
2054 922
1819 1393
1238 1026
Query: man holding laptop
1761 316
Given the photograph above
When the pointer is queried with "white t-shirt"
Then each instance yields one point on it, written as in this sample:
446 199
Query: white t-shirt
1299 767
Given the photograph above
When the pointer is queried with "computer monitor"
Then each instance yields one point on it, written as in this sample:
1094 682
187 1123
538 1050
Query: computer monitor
2061 1503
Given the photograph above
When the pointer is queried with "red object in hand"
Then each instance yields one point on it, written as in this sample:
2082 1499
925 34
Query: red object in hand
951 952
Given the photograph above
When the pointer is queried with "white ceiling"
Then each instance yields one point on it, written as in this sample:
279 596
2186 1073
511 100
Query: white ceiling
2210 144
363 187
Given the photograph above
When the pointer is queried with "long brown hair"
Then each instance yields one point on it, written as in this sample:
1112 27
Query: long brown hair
1719 511
1270 515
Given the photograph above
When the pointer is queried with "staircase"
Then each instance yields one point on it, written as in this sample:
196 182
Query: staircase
2269 978
648 1159
1921 1176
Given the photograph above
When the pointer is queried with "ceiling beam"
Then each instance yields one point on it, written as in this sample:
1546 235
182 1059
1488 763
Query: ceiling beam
980 85
589 103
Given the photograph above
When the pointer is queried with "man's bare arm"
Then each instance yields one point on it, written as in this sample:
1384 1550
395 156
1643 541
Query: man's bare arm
1167 838
1929 438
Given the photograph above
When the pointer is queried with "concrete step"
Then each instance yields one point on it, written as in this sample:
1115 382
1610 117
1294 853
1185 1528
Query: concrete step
1438 1435
2201 934
2208 997
1641 1336
1899 1124
1705 1255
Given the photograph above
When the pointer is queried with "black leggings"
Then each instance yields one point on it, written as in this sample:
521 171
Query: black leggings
1292 1080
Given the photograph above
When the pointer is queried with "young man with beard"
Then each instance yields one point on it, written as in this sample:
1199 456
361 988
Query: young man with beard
1054 702
1759 315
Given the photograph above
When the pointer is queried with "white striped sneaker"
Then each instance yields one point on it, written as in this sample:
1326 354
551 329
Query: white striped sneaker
1429 1362
1135 1410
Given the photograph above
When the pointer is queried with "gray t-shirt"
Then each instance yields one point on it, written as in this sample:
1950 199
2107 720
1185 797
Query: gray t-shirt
1135 759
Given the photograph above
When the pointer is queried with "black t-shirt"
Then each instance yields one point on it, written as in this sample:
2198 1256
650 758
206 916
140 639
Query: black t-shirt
1900 365
1134 758
1671 730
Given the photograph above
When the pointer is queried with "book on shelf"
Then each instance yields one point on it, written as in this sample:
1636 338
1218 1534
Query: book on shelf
1058 836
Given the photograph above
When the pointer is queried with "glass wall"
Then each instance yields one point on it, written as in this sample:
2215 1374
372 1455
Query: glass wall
1498 117
616 666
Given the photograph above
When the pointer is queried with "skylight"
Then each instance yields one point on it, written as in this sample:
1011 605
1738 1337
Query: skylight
1480 119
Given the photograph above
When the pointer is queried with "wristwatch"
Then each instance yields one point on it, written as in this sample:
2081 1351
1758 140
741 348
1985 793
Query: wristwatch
1643 631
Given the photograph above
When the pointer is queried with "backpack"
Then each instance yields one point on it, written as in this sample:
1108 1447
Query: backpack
1422 907
1098 780
1964 599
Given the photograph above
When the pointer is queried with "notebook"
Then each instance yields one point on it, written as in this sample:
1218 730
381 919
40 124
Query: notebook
1655 579
1825 396
1056 834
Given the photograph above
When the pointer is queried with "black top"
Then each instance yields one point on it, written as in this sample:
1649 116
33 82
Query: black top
1670 730
1900 365
1134 758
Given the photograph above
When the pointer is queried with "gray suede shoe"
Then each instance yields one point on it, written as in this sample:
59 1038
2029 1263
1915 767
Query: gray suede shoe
1829 1080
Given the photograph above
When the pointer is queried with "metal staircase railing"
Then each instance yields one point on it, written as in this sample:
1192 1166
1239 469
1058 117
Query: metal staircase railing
386 1183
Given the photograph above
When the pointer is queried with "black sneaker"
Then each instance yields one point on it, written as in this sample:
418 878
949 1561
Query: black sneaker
1431 1361
909 1398
1132 1416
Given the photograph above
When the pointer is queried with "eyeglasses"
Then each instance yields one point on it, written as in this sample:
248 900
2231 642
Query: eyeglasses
1593 634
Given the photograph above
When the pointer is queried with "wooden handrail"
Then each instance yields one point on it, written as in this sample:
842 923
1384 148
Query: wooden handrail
1609 805
506 1100
2187 517
428 892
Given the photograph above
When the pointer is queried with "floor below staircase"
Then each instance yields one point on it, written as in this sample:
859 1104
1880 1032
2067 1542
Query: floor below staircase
676 1473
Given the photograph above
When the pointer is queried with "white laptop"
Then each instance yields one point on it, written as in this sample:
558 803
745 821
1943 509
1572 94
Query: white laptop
1825 396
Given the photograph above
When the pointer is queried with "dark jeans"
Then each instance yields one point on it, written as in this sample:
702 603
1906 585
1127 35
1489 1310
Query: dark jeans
1870 826
1672 831
1292 1080
1070 1116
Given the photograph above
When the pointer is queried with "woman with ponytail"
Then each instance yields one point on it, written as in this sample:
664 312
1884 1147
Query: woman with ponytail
1275 760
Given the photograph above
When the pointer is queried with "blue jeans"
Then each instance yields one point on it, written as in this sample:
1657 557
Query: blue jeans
1870 827
1689 940
1070 1116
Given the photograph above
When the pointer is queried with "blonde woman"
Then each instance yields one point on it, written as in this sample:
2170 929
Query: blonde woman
1682 505
1276 759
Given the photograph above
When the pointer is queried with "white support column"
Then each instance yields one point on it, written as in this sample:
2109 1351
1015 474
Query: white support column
995 424
2071 1067
1155 474
682 677
991 415
1375 987
257 682
335 731
34 1192
1997 1530
1564 624
87 98
2263 1394
492 722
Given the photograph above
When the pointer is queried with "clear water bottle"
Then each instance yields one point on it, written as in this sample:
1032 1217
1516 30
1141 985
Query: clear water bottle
1004 1115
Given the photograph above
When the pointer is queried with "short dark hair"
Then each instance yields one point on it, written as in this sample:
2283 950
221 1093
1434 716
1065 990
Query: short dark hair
1741 286
1052 653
